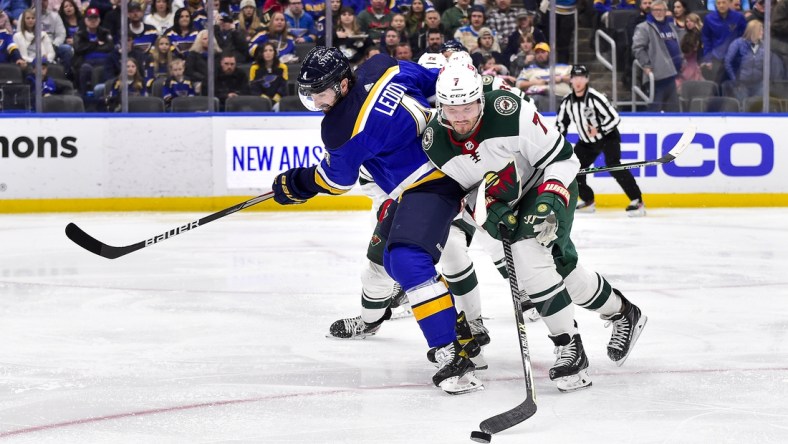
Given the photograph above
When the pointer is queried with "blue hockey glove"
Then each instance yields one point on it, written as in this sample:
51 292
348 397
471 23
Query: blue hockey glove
286 191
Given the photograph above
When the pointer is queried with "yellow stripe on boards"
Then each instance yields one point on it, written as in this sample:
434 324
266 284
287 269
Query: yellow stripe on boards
434 306
701 200
354 203
201 204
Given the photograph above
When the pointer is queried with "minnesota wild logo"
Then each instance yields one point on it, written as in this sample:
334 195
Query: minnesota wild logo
427 139
503 185
375 240
505 105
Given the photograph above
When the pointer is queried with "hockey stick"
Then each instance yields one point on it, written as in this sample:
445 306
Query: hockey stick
681 145
94 245
527 408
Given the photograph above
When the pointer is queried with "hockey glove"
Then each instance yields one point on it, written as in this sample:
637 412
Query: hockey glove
286 190
553 197
498 213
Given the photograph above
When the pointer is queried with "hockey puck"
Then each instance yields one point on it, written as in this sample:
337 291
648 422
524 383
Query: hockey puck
478 436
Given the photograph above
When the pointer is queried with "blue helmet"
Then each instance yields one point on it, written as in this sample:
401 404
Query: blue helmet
322 68
453 45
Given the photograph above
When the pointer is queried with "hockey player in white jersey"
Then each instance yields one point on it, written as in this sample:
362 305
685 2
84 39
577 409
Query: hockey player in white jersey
499 140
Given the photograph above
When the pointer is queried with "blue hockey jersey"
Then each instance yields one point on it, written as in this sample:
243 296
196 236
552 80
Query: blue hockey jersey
378 125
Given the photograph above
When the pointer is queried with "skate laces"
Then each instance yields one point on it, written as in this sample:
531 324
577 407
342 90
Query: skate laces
354 326
444 355
477 326
621 328
566 354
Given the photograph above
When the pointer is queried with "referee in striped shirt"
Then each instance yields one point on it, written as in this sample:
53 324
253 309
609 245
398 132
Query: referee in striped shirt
597 125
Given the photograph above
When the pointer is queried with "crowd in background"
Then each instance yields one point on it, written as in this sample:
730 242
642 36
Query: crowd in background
256 42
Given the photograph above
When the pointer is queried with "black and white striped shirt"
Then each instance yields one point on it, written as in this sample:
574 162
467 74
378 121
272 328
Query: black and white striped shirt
592 109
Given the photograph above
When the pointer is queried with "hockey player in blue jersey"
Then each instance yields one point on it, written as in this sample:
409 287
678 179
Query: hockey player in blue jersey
373 119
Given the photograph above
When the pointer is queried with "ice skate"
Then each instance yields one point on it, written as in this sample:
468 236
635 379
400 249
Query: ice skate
468 340
400 305
529 310
585 207
455 375
627 326
636 208
570 371
356 328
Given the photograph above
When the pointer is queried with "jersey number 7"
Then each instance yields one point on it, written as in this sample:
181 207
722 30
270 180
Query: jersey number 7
538 121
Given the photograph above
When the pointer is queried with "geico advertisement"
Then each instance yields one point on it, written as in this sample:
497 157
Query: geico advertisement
255 157
727 155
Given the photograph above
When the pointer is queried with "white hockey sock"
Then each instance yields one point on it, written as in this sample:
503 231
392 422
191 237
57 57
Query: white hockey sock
591 291
376 291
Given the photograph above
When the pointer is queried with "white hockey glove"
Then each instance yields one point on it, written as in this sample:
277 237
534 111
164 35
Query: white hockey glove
547 230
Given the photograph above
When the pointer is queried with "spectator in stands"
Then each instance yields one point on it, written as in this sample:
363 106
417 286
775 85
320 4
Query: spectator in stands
230 39
603 8
317 9
25 38
404 52
468 34
300 22
278 34
72 21
398 24
525 26
414 18
525 55
93 45
691 48
486 45
534 80
420 41
349 38
48 85
624 48
5 23
52 24
182 34
161 57
744 64
780 30
230 80
199 15
162 16
503 20
110 19
135 86
248 21
144 35
680 12
565 27
757 12
177 83
268 75
656 46
113 64
197 60
389 43
490 67
375 19
14 10
720 28
455 17
736 5
9 53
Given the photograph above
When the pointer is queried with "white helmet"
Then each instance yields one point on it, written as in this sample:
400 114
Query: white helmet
429 60
459 57
459 83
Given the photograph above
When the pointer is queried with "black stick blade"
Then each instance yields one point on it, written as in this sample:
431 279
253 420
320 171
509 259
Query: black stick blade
90 243
508 419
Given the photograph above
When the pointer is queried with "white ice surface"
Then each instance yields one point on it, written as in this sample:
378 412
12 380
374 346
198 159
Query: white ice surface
217 335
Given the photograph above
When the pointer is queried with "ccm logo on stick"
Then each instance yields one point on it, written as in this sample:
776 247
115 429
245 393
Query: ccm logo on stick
172 232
